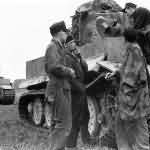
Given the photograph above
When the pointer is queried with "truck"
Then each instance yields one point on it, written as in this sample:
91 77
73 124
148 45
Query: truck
103 53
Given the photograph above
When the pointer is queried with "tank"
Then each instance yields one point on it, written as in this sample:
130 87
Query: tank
93 42
102 53
30 94
89 35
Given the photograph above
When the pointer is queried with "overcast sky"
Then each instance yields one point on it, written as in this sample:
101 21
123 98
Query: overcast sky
24 29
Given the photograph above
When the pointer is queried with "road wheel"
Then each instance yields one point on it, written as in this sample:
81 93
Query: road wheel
30 110
30 107
37 112
48 115
93 125
23 109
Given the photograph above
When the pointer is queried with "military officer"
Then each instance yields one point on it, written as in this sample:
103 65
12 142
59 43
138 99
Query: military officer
58 88
80 113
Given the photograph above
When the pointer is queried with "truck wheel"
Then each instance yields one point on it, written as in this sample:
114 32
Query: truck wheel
48 115
37 112
93 125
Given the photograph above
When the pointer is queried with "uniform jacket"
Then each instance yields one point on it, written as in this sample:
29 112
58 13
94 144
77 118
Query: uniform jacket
80 67
55 68
141 18
133 97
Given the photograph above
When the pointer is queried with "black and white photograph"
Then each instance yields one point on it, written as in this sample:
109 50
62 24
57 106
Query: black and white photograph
75 75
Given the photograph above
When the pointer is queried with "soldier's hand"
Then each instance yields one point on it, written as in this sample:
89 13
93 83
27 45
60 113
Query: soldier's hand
72 72
109 75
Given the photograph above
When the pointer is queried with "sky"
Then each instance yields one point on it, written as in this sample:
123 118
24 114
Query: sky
24 29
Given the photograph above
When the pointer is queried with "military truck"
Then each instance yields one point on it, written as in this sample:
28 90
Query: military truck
102 53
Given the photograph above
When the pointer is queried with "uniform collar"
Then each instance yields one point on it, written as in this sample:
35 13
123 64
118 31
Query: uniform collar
74 56
58 42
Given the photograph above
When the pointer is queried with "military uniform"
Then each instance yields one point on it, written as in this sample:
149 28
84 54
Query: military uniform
141 21
80 113
133 102
141 18
58 89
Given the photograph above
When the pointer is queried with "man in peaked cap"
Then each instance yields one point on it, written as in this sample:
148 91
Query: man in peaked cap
80 113
129 6
57 27
140 15
139 19
58 88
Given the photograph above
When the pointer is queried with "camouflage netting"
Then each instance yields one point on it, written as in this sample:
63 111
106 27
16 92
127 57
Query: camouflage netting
86 34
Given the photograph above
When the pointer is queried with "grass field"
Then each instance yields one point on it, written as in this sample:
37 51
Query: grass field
16 135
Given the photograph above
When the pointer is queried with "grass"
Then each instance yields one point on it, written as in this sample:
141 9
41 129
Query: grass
16 135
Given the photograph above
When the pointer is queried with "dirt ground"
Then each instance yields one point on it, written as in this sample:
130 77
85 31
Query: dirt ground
17 135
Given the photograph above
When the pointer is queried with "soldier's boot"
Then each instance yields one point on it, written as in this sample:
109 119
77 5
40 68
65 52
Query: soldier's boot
87 139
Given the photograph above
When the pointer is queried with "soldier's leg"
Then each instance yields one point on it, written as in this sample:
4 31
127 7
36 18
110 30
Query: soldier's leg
50 99
58 138
85 116
121 135
63 120
132 135
73 136
141 135
76 109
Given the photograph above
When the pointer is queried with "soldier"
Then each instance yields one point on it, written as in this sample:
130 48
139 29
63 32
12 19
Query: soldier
80 113
133 98
58 88
140 18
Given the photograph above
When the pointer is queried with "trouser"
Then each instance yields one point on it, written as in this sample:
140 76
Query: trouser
80 118
108 140
62 118
132 135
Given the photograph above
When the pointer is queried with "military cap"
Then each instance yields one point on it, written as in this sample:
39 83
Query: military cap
57 27
129 5
69 39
